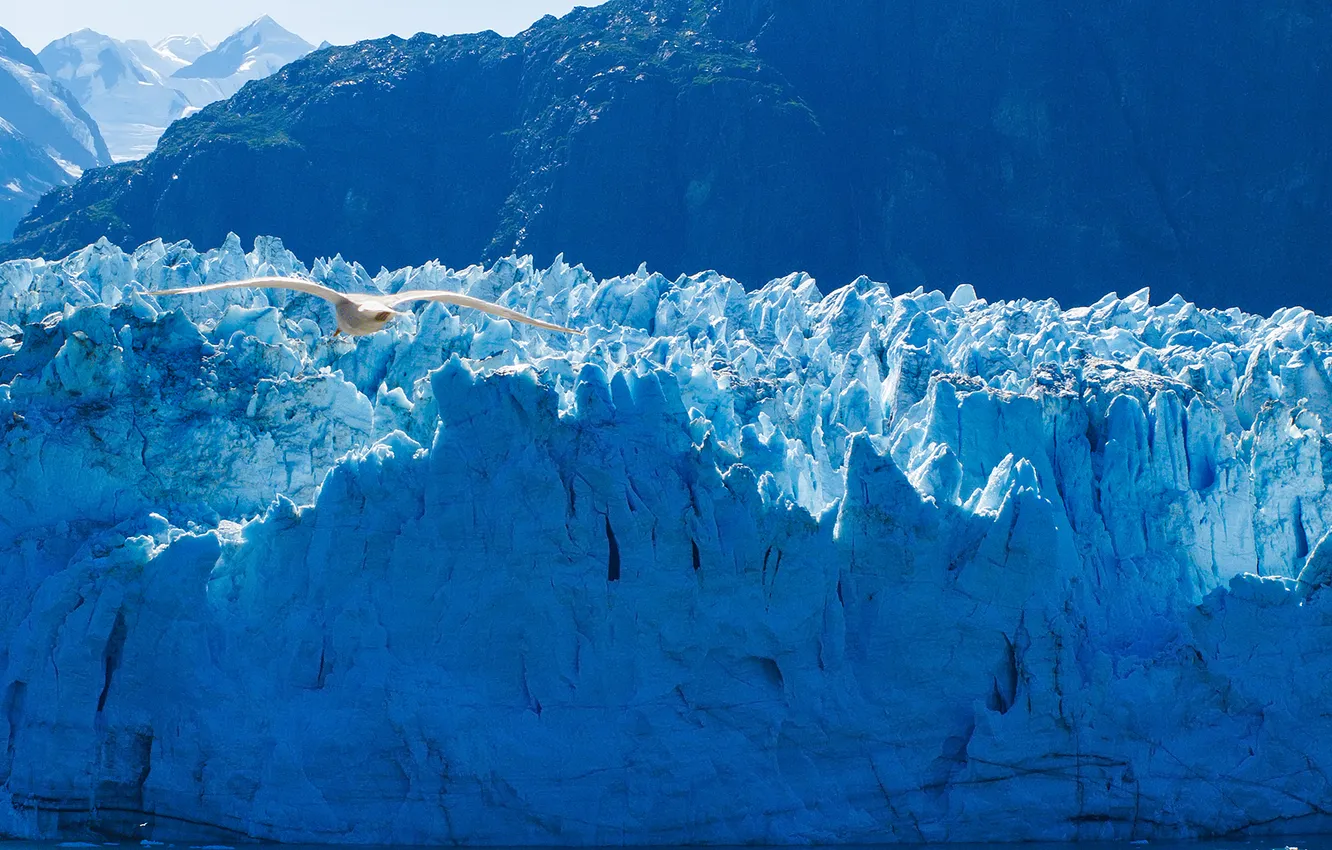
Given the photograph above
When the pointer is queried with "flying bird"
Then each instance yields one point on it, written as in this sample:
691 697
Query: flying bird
361 313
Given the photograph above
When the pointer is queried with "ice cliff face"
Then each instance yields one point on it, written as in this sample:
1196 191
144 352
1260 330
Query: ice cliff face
762 566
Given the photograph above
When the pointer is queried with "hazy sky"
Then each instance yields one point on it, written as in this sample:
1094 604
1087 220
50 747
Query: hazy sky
37 22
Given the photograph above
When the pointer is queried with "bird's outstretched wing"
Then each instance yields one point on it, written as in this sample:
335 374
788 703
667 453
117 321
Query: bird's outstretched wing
468 301
330 295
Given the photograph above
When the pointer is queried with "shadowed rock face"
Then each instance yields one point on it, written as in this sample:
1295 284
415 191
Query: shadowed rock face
1033 149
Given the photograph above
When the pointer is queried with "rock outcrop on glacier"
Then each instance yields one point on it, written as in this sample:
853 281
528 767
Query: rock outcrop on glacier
734 567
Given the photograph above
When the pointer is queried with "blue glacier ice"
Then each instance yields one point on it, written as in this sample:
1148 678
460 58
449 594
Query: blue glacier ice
734 567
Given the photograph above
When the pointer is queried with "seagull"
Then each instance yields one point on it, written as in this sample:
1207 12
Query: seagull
362 313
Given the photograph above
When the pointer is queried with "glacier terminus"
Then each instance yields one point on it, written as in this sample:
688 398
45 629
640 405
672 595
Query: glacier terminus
762 566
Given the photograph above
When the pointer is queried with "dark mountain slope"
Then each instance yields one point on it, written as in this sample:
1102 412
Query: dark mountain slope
1031 149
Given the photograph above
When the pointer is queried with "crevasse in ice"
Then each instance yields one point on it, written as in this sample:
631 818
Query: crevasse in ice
763 566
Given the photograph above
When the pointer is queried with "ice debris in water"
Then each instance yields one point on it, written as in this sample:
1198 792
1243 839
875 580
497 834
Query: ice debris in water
734 567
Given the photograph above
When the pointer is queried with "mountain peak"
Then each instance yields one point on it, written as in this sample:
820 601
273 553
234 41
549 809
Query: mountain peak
265 26
182 38
255 50
79 38
182 48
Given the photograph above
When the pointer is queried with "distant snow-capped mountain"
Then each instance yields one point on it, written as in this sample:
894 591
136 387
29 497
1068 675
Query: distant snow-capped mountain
169 55
130 100
46 138
251 53
135 89
184 48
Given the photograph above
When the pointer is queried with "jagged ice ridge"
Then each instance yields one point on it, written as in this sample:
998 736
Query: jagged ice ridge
765 566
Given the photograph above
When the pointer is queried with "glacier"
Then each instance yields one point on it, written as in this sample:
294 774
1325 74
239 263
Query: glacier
768 566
